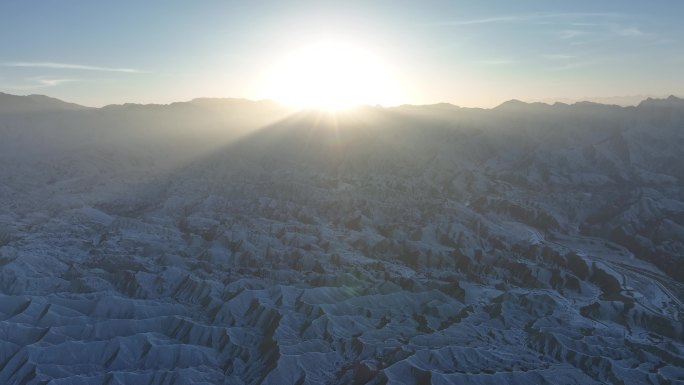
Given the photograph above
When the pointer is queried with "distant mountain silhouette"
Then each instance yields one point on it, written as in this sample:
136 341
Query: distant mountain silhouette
237 241
670 101
10 103
35 103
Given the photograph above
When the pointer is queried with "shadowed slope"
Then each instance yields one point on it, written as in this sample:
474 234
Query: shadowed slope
412 244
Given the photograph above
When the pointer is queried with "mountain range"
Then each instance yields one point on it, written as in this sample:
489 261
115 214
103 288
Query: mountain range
242 242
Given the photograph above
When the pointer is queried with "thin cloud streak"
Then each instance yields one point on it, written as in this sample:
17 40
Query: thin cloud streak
480 21
38 83
631 31
526 18
49 82
68 66
571 33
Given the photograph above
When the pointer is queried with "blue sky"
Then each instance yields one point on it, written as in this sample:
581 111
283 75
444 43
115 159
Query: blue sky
464 52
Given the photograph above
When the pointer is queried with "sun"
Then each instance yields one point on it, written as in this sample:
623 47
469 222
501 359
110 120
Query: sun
331 75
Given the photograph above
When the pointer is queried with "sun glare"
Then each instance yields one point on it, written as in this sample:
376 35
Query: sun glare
332 76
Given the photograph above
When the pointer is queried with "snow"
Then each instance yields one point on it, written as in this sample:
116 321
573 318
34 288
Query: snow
435 246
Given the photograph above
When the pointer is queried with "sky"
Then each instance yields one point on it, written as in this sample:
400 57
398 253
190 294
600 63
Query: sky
469 53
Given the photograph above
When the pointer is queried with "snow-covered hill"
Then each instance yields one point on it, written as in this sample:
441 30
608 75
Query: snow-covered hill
235 242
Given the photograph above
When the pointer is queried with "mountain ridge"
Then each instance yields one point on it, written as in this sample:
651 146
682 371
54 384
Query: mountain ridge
35 103
529 244
54 104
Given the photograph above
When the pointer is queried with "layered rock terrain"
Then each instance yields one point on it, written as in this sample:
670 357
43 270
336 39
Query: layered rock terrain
236 242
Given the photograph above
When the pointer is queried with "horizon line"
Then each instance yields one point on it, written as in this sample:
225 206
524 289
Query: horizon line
545 101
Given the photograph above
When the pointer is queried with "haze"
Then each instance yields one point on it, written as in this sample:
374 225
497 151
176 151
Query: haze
362 193
466 53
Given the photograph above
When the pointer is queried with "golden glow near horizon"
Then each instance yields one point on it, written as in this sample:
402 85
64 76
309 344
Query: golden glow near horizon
332 75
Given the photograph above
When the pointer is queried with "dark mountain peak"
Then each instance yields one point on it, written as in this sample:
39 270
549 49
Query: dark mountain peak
443 106
513 103
130 107
587 103
592 107
439 108
670 101
210 103
518 105
10 104
208 100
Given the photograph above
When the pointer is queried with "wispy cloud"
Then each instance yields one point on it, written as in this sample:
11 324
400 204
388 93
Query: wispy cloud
568 34
571 33
545 18
51 82
601 33
585 24
629 31
666 40
68 66
38 83
480 21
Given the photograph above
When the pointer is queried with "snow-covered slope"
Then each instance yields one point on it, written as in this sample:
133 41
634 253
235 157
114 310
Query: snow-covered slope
231 242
